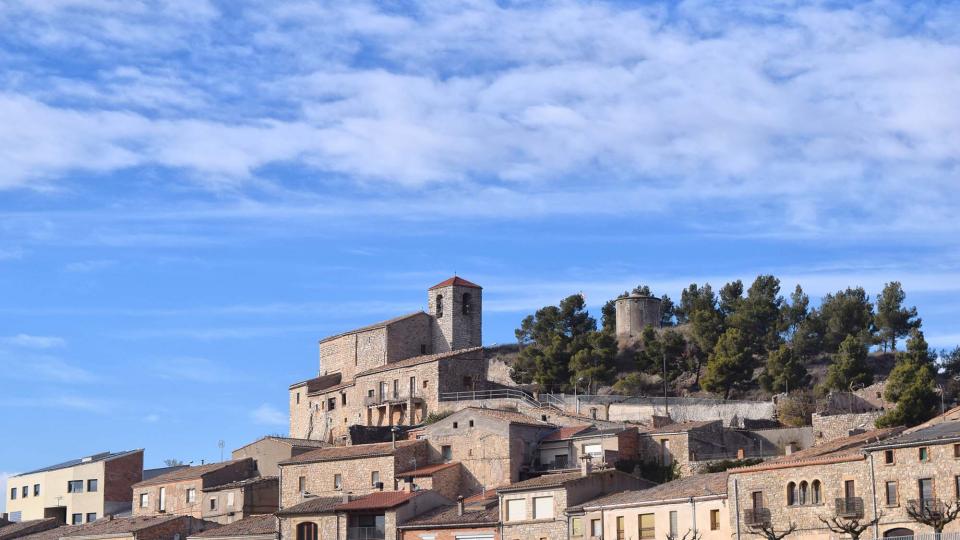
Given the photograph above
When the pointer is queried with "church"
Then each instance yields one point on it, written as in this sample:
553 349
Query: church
394 372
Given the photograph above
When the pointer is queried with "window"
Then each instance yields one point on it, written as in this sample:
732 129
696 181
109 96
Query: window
923 453
815 497
396 388
891 493
673 523
92 484
76 519
956 486
163 499
213 503
439 306
374 478
791 494
298 398
543 508
446 451
25 491
307 531
467 381
714 520
455 424
621 529
91 517
302 484
596 528
471 423
343 399
424 385
144 500
331 404
191 495
423 348
576 526
888 458
337 481
230 499
956 450
13 493
516 509
370 392
802 492
665 457
647 526
757 499
849 489
467 304
36 490
75 486
925 488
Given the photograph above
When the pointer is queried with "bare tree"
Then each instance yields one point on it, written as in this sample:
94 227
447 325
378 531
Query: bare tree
852 526
933 512
768 531
689 535
172 462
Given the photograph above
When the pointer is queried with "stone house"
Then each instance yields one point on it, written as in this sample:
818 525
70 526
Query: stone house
494 447
443 478
562 449
829 480
180 492
128 528
918 467
394 371
375 516
239 500
77 491
474 518
538 508
695 506
359 469
267 452
264 527
828 426
690 444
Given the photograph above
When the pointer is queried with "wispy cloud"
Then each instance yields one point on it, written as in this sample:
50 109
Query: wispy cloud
89 266
268 415
34 342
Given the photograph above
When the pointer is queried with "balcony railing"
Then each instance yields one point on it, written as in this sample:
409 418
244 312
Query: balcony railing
929 507
756 516
391 397
365 533
849 507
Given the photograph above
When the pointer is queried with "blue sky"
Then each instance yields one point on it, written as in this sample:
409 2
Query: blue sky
192 193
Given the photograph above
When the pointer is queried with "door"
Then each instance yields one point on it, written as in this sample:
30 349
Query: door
757 497
413 386
925 486
848 489
383 391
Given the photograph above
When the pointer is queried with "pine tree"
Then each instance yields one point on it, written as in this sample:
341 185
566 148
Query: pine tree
845 313
784 372
730 367
849 366
894 321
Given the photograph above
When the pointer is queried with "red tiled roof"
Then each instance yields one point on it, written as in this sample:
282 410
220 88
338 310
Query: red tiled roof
428 470
449 516
699 485
313 505
189 473
349 452
839 450
380 500
250 526
23 528
565 433
455 281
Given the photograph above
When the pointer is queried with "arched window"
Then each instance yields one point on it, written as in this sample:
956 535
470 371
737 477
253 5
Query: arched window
815 492
791 494
467 303
802 499
439 306
307 531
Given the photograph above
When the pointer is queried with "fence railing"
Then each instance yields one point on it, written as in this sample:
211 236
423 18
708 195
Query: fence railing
365 533
502 393
849 507
652 400
925 536
756 516
388 397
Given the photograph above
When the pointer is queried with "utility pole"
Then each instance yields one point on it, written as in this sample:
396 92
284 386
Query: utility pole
221 445
666 403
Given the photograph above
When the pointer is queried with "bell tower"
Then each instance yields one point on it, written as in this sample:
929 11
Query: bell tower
456 307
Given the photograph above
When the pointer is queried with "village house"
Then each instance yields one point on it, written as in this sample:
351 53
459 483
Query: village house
691 507
691 445
562 449
181 492
267 452
234 501
494 447
919 468
357 469
831 480
394 372
77 491
537 508
264 527
473 518
128 528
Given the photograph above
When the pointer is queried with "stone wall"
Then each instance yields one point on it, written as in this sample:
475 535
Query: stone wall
800 438
355 352
410 337
837 426
642 411
455 330
326 526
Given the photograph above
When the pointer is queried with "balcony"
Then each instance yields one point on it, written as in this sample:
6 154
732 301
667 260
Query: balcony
391 397
927 507
753 517
365 533
849 507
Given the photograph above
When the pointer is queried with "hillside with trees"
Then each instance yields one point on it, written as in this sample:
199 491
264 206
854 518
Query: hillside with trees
743 342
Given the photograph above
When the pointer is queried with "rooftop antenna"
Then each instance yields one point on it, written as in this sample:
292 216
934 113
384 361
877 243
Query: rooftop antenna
220 444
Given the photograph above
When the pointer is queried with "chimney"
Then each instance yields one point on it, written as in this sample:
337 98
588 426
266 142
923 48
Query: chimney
586 465
393 436
460 505
740 453
346 496
408 487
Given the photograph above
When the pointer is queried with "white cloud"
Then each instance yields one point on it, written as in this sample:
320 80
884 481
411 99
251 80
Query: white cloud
34 342
268 415
89 266
151 418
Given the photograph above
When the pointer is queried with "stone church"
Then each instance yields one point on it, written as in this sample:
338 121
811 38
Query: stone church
394 372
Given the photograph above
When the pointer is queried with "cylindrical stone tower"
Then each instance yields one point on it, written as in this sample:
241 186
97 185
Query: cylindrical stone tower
634 313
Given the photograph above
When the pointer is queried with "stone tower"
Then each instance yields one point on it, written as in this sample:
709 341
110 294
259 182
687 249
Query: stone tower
634 313
457 307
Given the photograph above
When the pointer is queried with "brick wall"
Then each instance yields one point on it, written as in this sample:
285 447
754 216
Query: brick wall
120 475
